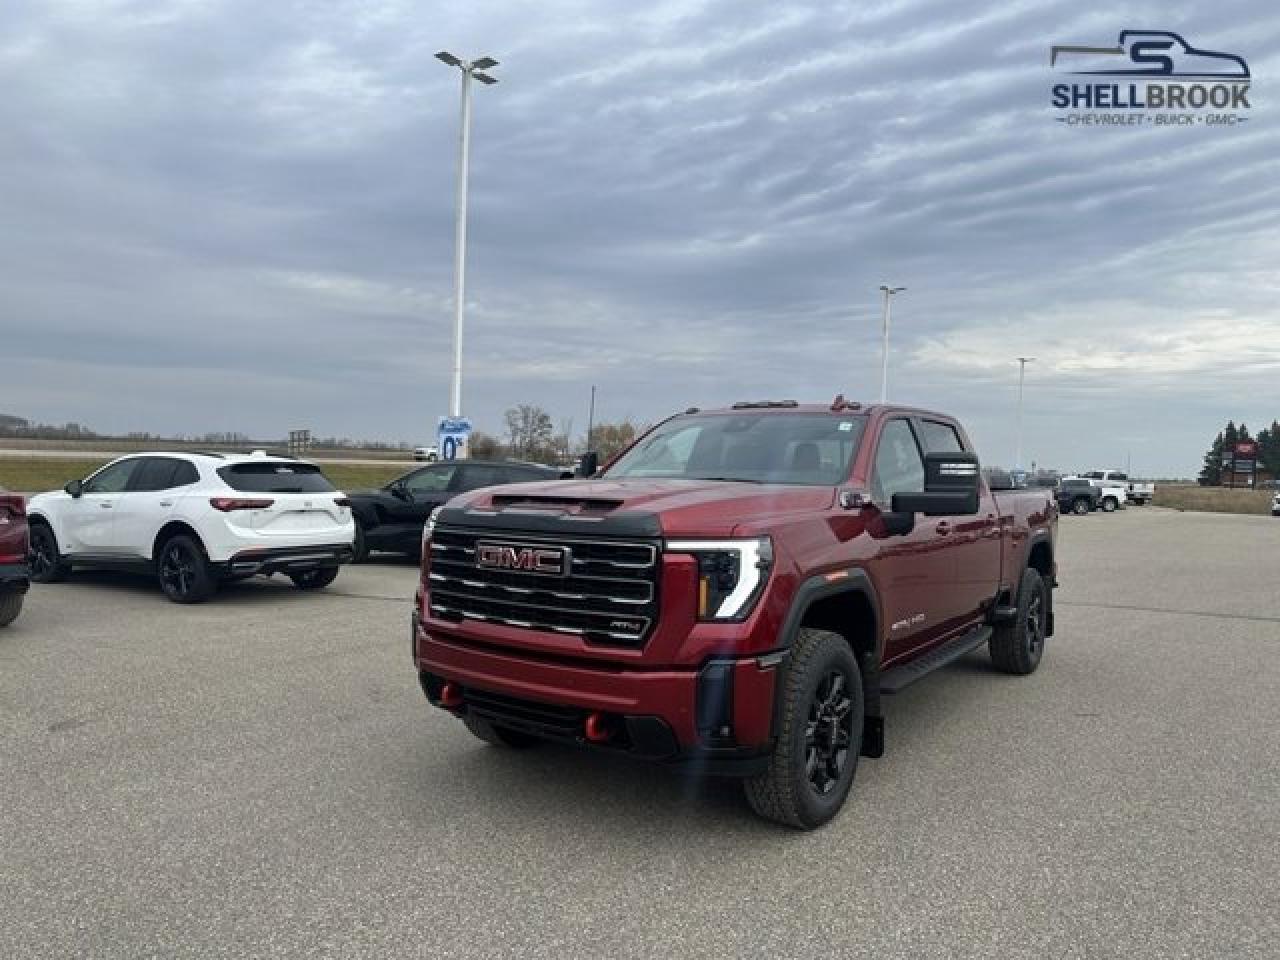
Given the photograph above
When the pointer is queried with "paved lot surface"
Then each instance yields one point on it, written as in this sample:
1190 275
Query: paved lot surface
259 776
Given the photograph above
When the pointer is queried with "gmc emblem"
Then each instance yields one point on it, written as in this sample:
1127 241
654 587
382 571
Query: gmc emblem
551 561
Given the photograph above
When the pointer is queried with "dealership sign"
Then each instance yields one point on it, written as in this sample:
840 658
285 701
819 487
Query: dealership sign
452 434
1149 78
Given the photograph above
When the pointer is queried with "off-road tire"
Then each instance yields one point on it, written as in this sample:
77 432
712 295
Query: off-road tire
784 792
498 736
316 579
183 570
1080 506
1018 646
10 607
359 546
52 568
1110 504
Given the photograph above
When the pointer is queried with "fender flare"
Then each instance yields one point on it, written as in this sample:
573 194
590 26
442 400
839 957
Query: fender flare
853 580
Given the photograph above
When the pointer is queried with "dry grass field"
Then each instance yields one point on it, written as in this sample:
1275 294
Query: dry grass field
1212 499
34 474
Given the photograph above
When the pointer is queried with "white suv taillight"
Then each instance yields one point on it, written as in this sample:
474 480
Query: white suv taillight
227 504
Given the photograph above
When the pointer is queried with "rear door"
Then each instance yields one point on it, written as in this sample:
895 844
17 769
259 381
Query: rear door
974 541
914 572
296 503
149 501
89 519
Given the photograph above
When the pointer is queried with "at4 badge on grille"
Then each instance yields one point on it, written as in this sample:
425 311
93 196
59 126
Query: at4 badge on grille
521 558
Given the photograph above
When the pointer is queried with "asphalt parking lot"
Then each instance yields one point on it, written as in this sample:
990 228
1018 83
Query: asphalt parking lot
260 776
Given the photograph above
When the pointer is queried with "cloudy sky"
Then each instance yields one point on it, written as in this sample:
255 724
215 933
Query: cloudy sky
227 215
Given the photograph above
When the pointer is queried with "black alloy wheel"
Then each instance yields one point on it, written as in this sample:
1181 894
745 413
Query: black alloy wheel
43 560
828 735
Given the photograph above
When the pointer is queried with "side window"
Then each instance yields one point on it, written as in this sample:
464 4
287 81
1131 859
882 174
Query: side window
184 474
1119 476
112 479
898 467
155 473
940 437
430 480
475 476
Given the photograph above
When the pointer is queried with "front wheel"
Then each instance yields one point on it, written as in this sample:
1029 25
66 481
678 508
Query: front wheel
183 571
44 562
359 545
815 757
1109 504
316 579
1017 646
1080 506
10 607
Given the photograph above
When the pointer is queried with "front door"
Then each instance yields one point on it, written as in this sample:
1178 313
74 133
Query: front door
916 570
90 517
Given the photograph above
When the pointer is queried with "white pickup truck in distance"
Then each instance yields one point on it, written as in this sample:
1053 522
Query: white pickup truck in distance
1135 493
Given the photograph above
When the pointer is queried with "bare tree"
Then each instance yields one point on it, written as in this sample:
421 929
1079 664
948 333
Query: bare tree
530 430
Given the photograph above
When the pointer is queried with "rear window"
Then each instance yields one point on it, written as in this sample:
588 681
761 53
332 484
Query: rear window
275 477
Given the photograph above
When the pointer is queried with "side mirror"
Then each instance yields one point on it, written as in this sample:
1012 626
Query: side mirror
588 465
951 485
75 488
399 491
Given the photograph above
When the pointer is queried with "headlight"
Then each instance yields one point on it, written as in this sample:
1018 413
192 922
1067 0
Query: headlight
731 574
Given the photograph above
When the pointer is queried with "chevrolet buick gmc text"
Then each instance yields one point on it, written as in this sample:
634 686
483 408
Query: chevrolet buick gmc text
734 593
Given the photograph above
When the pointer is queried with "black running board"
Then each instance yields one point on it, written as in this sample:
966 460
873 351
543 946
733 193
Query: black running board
897 678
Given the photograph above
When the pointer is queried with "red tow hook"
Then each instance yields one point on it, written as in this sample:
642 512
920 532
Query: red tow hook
596 728
451 696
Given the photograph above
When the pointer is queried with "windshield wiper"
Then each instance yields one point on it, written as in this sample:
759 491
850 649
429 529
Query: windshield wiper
728 479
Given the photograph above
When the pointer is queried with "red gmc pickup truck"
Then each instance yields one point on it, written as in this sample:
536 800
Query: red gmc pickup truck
13 556
735 592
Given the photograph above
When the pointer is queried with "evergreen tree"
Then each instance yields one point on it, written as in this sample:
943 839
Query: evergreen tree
1211 472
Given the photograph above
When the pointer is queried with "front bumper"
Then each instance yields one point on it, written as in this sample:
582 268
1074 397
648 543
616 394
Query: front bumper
267 561
716 720
14 578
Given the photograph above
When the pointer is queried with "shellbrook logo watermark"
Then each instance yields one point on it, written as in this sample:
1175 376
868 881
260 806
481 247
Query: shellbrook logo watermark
1149 78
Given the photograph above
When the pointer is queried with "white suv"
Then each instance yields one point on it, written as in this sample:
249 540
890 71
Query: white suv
195 519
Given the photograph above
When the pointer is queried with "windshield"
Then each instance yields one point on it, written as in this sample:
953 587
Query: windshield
273 476
812 449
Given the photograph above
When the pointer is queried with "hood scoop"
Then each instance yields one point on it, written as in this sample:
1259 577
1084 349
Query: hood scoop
585 507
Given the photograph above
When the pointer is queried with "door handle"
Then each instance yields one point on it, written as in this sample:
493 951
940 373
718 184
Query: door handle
943 528
166 503
106 506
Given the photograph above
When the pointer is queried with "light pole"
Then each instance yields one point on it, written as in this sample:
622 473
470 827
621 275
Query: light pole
884 345
474 69
1022 373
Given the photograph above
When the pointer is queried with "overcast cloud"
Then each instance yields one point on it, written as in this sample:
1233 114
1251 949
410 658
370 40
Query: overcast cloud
226 215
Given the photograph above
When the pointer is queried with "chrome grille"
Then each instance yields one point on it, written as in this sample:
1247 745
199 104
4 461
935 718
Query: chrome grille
610 595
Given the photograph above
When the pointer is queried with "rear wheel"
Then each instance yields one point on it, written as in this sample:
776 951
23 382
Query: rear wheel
496 735
45 563
815 757
10 607
1017 646
1080 506
1109 504
316 579
183 571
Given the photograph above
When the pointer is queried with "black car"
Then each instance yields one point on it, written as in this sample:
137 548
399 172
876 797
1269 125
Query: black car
392 518
1078 496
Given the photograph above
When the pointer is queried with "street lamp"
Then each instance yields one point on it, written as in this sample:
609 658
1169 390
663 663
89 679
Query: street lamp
1022 373
884 346
475 69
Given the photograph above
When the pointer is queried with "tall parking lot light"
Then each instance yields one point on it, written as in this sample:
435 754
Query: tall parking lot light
475 69
1022 374
884 346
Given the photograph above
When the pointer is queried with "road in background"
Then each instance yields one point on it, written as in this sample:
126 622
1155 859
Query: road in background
260 776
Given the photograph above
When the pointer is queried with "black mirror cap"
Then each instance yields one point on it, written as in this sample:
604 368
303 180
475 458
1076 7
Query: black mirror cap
75 488
952 473
588 465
